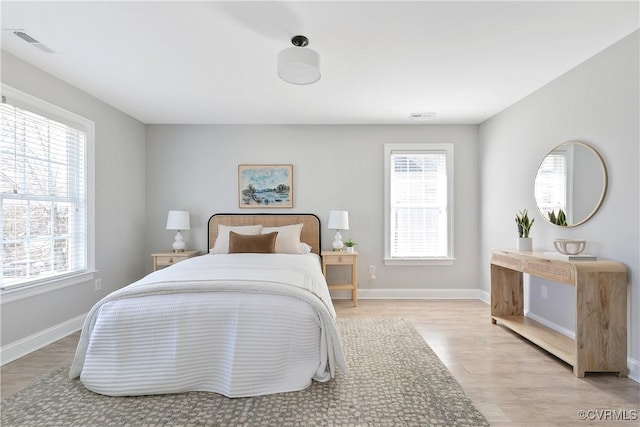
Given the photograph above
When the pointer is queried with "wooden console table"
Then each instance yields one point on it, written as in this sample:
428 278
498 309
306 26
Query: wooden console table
600 344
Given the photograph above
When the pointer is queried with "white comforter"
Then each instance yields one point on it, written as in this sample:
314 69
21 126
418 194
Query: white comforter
239 325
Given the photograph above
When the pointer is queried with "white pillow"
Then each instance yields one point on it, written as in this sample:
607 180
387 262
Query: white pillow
304 248
288 240
221 246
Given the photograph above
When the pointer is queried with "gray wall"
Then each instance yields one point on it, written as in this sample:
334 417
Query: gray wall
596 102
119 204
141 173
334 167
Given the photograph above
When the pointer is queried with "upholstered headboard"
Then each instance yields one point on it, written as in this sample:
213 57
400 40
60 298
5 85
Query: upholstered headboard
310 231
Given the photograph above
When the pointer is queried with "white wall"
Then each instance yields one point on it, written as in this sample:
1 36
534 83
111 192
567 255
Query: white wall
597 102
119 204
334 167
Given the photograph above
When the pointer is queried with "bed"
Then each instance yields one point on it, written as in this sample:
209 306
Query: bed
239 324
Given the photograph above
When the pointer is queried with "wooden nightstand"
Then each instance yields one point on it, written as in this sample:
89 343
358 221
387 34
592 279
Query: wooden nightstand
165 259
343 258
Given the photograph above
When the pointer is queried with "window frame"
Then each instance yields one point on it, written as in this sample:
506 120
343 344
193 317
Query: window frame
426 148
54 112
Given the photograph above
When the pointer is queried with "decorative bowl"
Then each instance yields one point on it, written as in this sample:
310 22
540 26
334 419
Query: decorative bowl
570 246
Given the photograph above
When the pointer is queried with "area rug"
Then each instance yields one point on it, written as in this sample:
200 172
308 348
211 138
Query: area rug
395 379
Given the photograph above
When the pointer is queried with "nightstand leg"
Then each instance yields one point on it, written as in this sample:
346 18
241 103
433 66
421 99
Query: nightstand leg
354 282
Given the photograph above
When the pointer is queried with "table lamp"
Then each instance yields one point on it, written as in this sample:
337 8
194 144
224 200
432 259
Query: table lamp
178 220
338 220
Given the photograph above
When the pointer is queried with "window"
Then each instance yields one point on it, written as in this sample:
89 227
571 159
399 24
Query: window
45 153
418 203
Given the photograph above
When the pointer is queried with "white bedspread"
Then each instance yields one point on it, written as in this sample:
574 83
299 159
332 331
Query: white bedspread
239 325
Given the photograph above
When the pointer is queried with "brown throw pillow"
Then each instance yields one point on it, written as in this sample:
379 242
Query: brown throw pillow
256 244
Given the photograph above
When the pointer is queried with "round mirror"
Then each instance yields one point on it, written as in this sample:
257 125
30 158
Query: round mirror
570 184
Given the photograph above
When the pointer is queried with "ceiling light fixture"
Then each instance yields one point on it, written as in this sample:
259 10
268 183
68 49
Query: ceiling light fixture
299 65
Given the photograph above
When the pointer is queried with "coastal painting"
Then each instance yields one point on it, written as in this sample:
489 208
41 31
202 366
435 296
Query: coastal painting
265 186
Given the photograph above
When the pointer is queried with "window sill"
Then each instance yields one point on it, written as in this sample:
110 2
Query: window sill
27 291
419 261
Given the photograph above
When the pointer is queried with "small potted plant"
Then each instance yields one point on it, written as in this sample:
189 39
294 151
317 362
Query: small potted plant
525 242
350 245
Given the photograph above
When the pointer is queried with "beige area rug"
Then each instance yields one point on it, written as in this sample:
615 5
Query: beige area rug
395 379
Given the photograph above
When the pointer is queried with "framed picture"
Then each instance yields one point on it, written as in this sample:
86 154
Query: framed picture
265 186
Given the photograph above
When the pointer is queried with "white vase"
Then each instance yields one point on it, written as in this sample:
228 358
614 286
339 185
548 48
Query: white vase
524 244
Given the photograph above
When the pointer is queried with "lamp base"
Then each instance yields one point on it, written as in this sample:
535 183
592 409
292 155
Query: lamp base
337 241
178 244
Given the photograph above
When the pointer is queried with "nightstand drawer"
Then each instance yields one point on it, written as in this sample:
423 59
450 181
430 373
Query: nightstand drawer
339 258
165 259
168 260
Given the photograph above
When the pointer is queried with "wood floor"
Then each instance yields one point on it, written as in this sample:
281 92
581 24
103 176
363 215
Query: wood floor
513 382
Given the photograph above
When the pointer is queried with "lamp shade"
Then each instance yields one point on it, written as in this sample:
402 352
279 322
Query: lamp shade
299 65
178 220
338 220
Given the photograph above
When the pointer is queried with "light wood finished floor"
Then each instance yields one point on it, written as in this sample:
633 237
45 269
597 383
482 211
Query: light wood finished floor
513 382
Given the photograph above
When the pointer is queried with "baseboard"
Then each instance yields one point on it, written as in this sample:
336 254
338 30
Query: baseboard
485 296
634 370
24 346
564 331
364 293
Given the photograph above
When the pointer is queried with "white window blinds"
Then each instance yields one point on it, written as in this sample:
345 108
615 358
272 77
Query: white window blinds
551 183
43 200
418 204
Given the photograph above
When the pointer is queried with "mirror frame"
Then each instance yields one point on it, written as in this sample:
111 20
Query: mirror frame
605 183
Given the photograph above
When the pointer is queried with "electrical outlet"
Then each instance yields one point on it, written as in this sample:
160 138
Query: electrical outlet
372 270
543 291
98 284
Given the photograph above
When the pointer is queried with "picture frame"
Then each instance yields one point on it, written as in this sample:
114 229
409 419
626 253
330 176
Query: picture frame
265 186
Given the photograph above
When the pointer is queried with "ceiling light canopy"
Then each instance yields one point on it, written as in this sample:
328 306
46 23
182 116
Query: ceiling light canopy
299 65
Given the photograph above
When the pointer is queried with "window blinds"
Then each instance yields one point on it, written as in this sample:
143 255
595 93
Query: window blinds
551 182
42 197
418 197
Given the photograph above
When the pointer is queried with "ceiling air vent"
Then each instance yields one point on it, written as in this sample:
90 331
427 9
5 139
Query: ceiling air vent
422 117
33 42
